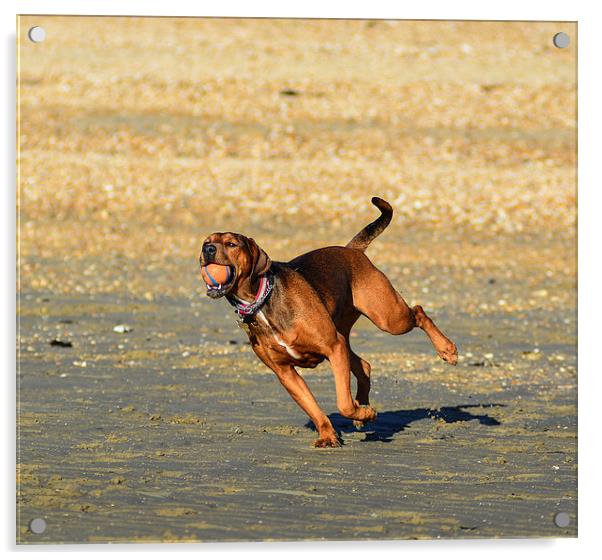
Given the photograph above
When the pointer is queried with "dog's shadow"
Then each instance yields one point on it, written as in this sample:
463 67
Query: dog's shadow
391 422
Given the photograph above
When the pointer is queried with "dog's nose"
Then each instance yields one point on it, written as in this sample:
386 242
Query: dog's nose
209 251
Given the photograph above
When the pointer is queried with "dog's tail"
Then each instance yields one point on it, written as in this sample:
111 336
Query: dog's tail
373 230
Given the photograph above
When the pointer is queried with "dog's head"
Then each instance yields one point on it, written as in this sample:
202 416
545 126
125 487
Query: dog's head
247 261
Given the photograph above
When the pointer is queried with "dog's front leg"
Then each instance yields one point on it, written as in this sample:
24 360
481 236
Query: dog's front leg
339 361
302 395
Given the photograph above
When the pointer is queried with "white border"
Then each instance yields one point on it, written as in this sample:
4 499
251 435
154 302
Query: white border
590 284
426 9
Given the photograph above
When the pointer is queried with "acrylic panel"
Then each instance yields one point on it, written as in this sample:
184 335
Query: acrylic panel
150 412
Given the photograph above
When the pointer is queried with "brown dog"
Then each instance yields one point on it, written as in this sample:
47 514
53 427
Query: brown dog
301 312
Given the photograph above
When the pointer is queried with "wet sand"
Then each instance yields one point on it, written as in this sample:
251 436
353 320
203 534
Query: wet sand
176 431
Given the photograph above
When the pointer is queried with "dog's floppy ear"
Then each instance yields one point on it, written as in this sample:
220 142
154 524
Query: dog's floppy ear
260 259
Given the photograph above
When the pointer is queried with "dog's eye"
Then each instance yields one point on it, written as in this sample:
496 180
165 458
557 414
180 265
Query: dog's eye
230 244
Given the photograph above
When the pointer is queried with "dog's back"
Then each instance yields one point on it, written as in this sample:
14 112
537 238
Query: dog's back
330 271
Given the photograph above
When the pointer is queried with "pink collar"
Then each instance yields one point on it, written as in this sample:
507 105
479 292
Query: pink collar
247 310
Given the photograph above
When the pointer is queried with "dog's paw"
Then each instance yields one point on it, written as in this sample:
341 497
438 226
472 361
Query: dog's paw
331 440
449 353
363 413
359 424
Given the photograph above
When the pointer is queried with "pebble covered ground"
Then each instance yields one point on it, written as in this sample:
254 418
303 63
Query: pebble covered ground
144 416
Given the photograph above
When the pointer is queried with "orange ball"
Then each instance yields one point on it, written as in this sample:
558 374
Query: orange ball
216 274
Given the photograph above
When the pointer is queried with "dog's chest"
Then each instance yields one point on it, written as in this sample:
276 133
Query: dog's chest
277 340
265 334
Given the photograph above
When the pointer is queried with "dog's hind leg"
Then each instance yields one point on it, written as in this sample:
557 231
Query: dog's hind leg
375 297
445 348
361 369
339 356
